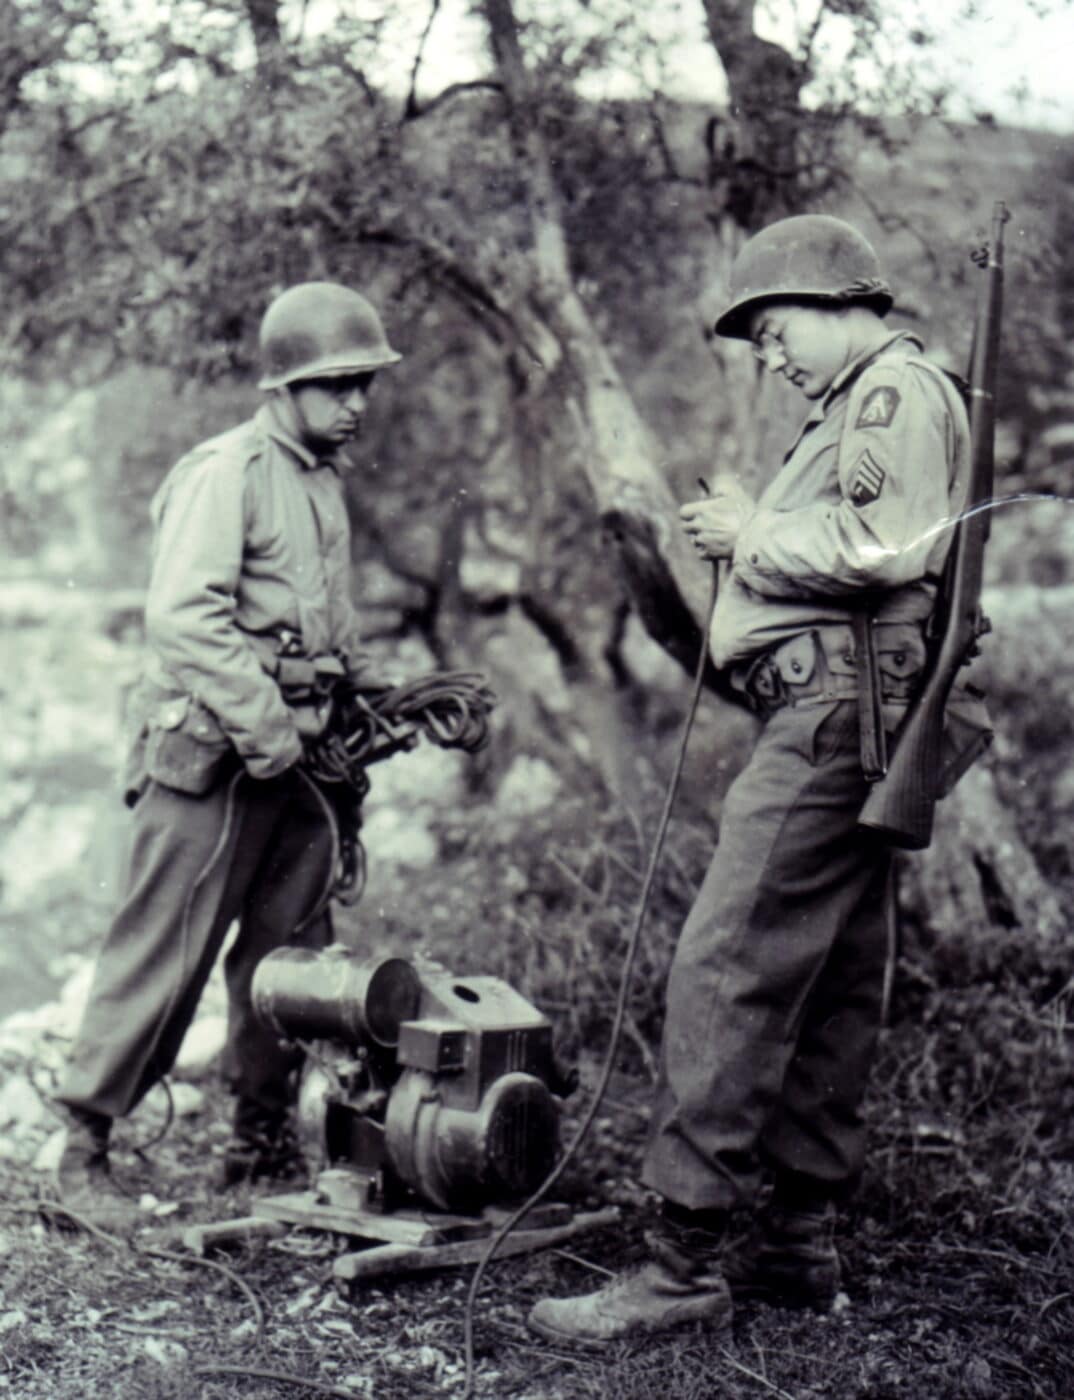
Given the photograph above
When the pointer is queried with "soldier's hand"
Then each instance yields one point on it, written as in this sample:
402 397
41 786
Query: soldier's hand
714 523
310 720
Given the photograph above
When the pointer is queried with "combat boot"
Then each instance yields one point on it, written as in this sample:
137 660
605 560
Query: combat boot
788 1259
681 1282
263 1146
84 1181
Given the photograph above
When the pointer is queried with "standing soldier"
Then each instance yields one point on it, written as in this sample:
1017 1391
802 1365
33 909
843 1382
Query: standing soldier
774 997
248 619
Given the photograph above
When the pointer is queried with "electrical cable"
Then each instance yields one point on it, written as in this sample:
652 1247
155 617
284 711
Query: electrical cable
450 708
141 1149
641 910
331 821
262 1374
222 843
53 1208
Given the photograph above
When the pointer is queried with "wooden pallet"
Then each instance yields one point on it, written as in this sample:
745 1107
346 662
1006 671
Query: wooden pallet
397 1242
379 1260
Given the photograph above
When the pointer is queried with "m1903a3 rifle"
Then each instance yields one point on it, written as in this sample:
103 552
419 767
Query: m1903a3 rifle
901 804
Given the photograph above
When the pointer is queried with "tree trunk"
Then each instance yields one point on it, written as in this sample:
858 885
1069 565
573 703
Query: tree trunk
978 878
264 17
979 870
666 581
753 154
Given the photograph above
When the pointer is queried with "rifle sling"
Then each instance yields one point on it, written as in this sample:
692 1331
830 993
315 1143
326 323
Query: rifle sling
874 759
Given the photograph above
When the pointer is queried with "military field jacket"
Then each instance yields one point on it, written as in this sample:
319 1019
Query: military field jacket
251 539
865 500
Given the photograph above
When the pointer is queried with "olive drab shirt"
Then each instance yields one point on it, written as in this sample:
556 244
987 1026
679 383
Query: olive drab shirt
864 500
251 539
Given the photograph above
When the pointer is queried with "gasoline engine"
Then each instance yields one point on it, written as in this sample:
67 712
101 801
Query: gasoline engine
421 1087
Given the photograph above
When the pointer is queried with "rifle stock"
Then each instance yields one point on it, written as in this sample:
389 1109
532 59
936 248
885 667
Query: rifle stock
901 805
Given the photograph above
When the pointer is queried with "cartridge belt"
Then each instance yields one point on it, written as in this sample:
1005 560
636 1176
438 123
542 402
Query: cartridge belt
821 665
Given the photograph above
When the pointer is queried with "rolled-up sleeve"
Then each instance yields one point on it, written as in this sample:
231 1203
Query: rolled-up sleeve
890 523
190 610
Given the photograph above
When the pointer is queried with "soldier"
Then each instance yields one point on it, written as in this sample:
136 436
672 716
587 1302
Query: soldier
248 620
774 996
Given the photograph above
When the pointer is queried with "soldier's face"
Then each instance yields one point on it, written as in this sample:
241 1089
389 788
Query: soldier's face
806 344
331 410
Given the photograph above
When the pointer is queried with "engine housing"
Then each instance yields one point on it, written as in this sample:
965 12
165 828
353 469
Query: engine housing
419 1083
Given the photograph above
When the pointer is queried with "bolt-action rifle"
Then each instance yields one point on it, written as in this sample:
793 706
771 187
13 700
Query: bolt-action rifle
900 806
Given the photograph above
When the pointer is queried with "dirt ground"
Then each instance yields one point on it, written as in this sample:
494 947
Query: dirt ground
936 1306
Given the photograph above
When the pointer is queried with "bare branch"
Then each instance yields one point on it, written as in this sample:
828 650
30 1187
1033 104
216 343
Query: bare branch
656 122
439 264
556 633
453 90
410 108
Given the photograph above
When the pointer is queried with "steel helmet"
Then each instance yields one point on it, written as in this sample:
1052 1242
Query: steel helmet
318 330
811 258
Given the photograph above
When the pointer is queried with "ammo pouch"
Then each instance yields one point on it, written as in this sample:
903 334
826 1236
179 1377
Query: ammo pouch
821 665
185 748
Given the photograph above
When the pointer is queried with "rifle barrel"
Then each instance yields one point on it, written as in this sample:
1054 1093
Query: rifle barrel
900 807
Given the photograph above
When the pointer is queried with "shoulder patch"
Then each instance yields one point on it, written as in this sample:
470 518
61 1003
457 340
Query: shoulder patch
878 407
867 482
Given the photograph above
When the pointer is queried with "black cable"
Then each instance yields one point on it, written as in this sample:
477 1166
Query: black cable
54 1208
141 1149
217 853
620 1005
451 708
331 883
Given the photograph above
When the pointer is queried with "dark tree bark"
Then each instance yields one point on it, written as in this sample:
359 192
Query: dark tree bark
264 17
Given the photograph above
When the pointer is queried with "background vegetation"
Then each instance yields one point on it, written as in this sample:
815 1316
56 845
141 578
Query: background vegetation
546 260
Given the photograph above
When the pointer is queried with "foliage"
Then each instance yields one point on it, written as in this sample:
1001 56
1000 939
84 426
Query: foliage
226 153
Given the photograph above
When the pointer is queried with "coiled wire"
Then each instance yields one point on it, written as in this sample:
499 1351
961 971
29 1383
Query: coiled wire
450 708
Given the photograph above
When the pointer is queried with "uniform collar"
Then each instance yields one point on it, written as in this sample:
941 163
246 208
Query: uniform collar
273 424
847 375
845 378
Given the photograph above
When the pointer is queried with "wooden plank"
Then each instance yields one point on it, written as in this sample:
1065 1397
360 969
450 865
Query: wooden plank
202 1238
542 1216
305 1209
401 1258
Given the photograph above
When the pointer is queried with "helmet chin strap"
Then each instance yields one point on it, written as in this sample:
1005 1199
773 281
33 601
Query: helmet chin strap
286 409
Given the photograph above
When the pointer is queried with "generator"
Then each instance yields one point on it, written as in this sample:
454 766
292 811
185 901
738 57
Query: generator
429 1110
420 1085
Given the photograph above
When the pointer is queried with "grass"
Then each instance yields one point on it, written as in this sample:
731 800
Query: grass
959 1245
937 1306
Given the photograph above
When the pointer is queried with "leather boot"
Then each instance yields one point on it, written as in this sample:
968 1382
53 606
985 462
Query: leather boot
84 1181
681 1282
263 1146
789 1258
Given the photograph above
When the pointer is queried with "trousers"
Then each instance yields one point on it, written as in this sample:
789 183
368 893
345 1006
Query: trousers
774 996
256 851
